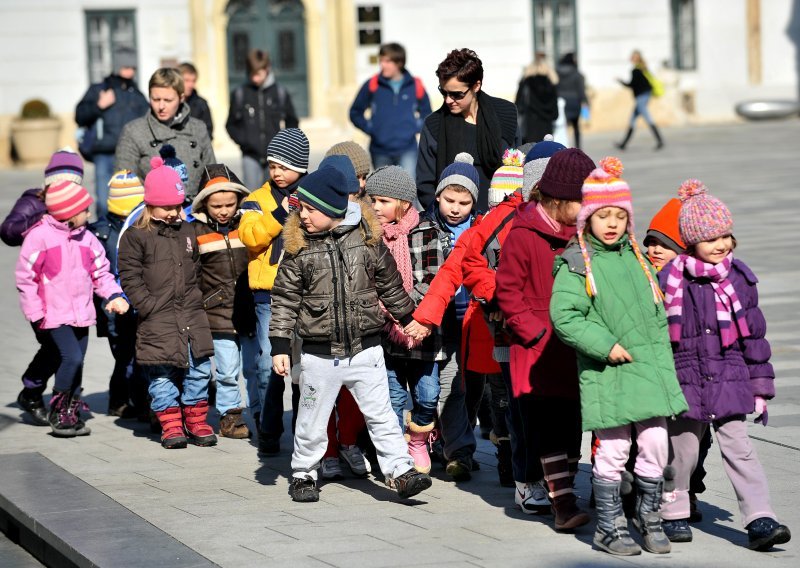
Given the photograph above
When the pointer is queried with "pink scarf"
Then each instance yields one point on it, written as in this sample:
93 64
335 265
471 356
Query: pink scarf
552 223
726 300
395 236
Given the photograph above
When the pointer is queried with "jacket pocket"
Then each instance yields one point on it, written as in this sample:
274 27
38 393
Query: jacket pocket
216 298
315 319
370 315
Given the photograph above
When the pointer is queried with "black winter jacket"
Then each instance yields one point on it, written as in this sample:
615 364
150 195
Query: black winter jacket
201 112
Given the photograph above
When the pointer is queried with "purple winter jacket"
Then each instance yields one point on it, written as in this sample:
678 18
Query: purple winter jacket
26 212
721 382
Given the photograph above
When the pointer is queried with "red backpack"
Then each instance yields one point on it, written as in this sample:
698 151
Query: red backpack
419 87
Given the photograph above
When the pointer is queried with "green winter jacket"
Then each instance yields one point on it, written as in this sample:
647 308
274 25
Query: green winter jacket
622 312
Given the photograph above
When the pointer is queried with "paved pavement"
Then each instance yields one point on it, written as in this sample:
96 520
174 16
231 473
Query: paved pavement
234 509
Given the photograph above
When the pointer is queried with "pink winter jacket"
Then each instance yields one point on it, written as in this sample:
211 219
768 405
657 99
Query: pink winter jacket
57 270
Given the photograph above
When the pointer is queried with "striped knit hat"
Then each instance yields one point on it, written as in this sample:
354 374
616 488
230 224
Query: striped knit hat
360 158
605 188
703 217
290 148
65 199
508 178
461 172
64 165
125 192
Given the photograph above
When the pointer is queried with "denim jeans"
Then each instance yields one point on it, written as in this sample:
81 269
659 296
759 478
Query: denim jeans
459 439
406 160
71 343
641 109
253 173
272 409
255 381
227 364
103 170
163 382
422 379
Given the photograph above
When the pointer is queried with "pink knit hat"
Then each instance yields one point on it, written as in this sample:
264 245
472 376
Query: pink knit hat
163 186
65 199
703 217
605 188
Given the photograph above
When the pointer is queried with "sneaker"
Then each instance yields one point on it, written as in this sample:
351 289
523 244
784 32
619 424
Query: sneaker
677 530
331 469
355 460
460 469
410 483
32 403
764 533
531 498
304 489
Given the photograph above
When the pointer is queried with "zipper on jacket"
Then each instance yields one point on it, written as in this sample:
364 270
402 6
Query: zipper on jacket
347 340
337 329
230 257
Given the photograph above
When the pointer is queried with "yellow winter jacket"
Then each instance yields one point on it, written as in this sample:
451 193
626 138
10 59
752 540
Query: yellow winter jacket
258 229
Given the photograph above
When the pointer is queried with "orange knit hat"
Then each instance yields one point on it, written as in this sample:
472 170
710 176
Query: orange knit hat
665 228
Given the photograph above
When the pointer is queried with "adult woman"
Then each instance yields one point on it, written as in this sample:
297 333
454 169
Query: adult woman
641 91
572 88
537 100
168 122
469 121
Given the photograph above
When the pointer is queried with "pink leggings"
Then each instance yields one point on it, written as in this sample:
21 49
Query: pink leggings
615 445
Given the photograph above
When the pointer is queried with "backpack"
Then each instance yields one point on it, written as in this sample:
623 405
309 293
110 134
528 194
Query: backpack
238 97
419 88
656 86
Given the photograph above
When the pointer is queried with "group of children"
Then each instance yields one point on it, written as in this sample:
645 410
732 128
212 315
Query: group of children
334 281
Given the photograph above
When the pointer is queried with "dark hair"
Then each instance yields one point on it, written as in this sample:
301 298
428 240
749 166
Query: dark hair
257 60
463 64
395 52
187 68
568 59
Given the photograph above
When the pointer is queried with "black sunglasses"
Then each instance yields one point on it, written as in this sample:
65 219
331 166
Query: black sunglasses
455 95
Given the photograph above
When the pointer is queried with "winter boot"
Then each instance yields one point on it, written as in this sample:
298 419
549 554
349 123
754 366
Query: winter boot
648 518
559 483
764 533
504 468
410 483
657 134
232 425
417 438
628 135
61 420
194 419
172 434
612 533
31 402
75 407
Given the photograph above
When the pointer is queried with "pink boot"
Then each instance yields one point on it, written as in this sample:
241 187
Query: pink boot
417 437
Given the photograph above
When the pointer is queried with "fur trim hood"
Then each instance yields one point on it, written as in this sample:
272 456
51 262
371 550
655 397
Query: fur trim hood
295 237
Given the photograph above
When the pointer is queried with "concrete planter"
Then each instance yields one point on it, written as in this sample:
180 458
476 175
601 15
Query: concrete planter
35 139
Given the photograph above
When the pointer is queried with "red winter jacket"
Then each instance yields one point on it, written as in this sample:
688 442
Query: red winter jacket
540 362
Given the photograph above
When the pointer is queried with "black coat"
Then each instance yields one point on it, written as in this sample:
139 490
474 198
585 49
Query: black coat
200 111
537 105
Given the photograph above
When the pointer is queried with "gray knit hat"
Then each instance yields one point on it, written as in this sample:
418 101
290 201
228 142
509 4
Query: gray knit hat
392 181
461 172
535 163
360 158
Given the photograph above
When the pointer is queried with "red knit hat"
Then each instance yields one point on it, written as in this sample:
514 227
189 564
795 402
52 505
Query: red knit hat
564 175
665 227
65 199
163 186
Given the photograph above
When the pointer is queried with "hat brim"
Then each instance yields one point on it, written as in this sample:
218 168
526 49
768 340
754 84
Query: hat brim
197 203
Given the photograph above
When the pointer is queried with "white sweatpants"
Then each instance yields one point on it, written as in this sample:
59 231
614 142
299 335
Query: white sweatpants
364 375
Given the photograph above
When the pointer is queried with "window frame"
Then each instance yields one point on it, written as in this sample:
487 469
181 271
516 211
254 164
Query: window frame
677 36
554 29
108 16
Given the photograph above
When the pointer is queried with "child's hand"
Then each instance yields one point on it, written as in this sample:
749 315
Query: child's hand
496 316
418 331
281 365
117 306
619 355
761 411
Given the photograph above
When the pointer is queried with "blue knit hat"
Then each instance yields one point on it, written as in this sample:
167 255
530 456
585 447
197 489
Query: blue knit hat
345 166
460 172
290 148
171 160
325 190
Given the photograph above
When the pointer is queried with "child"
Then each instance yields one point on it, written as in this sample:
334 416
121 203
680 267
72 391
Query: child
64 165
722 357
328 290
125 192
59 266
410 364
663 239
607 306
223 261
543 369
158 266
360 158
263 214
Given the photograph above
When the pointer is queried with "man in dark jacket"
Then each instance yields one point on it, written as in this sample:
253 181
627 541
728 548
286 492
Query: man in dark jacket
197 104
103 111
398 105
259 109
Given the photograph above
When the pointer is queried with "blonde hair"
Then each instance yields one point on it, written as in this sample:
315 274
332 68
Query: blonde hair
167 78
401 208
143 222
540 66
556 208
457 188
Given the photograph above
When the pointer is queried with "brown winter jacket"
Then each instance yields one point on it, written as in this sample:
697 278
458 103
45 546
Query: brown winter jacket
157 268
329 285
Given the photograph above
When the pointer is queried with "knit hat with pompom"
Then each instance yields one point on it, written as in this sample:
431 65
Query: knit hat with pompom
605 188
508 178
703 217
163 186
460 172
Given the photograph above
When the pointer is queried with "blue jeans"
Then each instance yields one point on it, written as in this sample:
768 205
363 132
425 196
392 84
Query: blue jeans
226 366
163 381
103 170
71 343
272 409
422 379
406 160
641 109
253 173
255 381
457 433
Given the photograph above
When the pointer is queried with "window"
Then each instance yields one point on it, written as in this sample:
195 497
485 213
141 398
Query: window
106 31
554 28
684 53
369 25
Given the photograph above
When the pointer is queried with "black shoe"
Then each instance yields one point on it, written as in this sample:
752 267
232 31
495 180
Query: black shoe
460 469
677 530
268 446
764 533
32 403
124 411
695 515
304 489
410 483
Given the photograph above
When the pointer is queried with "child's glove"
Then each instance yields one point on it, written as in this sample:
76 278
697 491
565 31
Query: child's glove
761 411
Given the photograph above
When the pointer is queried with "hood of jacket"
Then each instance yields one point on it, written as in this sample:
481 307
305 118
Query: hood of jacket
295 237
528 217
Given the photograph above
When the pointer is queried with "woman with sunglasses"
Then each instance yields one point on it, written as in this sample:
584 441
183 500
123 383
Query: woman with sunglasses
469 121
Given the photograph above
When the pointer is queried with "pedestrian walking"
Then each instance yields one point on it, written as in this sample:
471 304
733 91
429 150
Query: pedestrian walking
642 90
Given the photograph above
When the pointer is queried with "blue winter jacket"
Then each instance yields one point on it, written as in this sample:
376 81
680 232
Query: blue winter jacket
395 120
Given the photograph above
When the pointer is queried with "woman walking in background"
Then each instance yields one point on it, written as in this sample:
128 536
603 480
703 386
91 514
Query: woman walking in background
642 89
572 88
537 100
